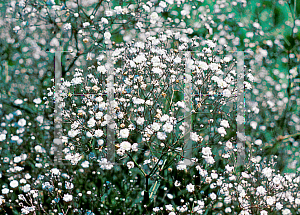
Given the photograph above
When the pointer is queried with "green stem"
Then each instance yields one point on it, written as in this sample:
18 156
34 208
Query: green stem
137 164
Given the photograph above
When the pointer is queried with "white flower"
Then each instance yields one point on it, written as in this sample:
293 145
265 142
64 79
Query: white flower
67 26
226 93
155 126
261 191
130 164
98 133
263 212
140 120
270 200
181 104
177 60
101 69
91 123
168 127
14 183
203 65
107 35
286 212
99 115
157 70
206 151
154 16
169 207
134 147
73 133
177 183
214 66
67 197
209 159
213 196
104 21
55 171
124 133
19 101
279 206
125 145
164 118
161 135
229 168
210 43
190 188
5 191
155 60
69 185
86 24
140 58
267 172
120 151
222 131
224 123
194 136
258 142
37 101
22 122
26 188
85 164
105 164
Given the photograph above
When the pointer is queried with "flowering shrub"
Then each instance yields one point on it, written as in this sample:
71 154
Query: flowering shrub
159 80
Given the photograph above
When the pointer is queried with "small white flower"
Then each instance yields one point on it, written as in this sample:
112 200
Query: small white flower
194 136
177 183
67 197
203 65
69 185
154 16
190 187
169 207
155 126
214 66
177 60
73 133
125 145
161 135
168 127
286 212
124 133
140 120
55 171
270 200
222 131
67 26
14 183
213 196
225 123
206 151
85 164
130 164
104 21
261 191
91 123
5 191
101 69
98 133
37 101
226 93
279 206
107 35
